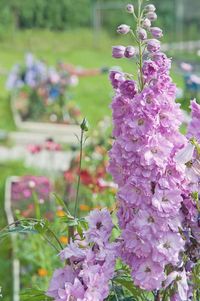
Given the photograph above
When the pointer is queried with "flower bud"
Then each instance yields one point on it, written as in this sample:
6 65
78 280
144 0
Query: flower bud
156 32
130 8
118 51
142 34
151 16
150 8
129 52
146 23
116 78
123 29
84 125
153 45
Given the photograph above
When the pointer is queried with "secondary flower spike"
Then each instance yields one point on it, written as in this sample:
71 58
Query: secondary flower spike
90 265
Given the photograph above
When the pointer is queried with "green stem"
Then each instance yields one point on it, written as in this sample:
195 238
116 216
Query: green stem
37 206
51 244
141 80
71 233
140 66
79 174
157 296
56 238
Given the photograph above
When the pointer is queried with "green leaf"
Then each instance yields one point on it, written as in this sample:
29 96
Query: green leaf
128 284
80 230
63 205
34 226
72 223
34 295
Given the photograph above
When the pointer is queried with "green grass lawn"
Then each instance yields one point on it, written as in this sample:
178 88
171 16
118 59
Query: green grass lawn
93 94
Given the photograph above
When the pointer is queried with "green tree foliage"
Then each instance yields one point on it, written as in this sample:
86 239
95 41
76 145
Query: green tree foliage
51 14
67 14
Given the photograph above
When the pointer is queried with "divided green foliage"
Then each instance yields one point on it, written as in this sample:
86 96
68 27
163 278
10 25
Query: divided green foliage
33 226
34 295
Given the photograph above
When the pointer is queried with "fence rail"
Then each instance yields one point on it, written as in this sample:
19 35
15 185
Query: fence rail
180 46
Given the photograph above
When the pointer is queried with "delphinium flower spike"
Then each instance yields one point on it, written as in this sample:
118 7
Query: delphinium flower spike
142 159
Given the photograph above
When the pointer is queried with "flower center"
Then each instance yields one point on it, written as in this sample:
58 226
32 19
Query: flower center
99 225
137 190
150 220
154 151
149 100
147 270
167 245
140 121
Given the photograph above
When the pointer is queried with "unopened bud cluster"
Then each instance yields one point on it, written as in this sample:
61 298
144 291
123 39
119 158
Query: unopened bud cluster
144 29
120 51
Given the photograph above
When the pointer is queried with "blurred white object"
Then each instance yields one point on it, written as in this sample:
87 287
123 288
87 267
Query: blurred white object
185 154
186 67
195 79
73 80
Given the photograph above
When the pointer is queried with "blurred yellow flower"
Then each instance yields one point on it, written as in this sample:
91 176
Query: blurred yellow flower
42 272
60 213
63 240
84 207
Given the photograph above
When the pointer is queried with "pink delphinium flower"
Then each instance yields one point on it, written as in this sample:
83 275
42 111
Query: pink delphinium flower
128 88
100 225
116 78
148 275
60 277
150 69
142 163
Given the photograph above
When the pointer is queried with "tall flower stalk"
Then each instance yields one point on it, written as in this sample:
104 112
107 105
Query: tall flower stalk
142 160
84 128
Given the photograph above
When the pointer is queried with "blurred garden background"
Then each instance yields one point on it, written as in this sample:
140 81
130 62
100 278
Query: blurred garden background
74 39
